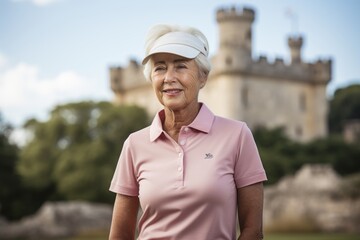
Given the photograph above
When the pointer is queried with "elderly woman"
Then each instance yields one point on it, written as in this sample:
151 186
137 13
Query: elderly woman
190 171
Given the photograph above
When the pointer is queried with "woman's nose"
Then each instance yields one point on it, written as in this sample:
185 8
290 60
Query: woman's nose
170 75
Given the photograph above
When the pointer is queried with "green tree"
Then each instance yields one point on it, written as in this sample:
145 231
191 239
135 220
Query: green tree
281 156
344 105
9 180
16 200
73 155
343 156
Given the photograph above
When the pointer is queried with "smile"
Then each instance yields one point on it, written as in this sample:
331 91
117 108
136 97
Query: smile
172 91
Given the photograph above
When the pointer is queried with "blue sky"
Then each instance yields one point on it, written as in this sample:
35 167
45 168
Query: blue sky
58 51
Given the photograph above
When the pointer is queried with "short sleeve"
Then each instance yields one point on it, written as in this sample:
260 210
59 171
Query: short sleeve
124 180
248 166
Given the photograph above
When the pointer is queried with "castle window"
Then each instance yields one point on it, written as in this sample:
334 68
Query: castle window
228 61
114 80
248 35
245 97
302 102
298 131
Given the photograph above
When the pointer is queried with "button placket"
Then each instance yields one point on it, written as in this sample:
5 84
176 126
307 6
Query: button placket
180 168
184 134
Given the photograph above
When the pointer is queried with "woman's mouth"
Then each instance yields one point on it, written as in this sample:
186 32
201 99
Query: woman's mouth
172 91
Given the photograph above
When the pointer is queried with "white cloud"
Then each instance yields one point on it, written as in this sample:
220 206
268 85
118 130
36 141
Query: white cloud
39 3
3 61
24 94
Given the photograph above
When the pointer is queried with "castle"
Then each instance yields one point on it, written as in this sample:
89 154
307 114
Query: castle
261 93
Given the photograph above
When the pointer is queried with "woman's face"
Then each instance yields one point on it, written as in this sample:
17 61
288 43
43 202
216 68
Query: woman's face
176 81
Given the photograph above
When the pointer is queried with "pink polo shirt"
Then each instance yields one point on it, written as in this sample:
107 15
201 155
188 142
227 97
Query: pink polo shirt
188 190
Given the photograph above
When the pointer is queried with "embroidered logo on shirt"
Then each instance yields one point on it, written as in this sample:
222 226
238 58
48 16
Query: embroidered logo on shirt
208 156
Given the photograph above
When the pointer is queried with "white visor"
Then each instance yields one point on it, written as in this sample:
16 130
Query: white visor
178 43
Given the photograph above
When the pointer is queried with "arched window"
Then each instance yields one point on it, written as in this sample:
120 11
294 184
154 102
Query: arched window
228 61
245 97
302 102
248 35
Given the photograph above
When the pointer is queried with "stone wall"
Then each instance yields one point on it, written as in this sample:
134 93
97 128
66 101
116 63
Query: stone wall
311 200
59 219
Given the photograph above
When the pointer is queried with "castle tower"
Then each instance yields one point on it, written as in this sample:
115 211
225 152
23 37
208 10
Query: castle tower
235 37
295 44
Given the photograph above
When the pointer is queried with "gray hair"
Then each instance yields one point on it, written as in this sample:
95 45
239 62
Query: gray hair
159 30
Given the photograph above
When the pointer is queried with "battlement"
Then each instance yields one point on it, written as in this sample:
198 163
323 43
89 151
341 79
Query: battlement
317 72
124 79
295 42
234 13
116 79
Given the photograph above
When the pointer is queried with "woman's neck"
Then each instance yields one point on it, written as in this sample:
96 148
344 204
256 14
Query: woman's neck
174 120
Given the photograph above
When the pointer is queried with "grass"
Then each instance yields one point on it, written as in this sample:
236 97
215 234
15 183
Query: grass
273 236
312 236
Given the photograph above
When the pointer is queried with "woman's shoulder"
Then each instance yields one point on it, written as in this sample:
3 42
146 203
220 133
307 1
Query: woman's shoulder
232 127
140 134
228 122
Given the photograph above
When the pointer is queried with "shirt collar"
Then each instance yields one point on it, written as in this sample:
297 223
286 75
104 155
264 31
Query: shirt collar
202 122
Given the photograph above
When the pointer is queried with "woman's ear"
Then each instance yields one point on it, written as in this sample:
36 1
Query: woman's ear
202 84
203 79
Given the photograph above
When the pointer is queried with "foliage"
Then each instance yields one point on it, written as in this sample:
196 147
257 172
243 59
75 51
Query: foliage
282 156
14 197
343 156
344 106
9 157
73 155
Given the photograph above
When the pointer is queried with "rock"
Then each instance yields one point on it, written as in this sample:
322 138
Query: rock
311 200
59 219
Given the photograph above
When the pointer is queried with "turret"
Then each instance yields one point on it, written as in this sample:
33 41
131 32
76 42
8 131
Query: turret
295 43
235 40
116 79
235 28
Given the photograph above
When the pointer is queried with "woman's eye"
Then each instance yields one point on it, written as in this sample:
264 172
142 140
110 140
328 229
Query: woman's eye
159 68
181 66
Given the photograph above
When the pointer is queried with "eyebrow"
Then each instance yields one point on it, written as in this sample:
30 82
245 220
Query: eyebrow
175 61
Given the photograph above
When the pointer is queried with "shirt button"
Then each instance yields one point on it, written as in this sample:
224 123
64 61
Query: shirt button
180 154
186 129
182 142
179 169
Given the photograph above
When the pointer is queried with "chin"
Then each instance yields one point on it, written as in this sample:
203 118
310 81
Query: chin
174 106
